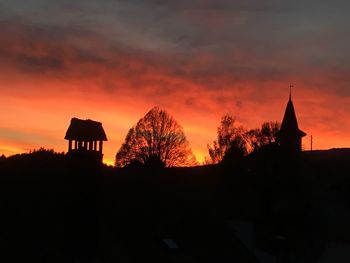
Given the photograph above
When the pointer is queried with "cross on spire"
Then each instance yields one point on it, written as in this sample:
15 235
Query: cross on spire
290 91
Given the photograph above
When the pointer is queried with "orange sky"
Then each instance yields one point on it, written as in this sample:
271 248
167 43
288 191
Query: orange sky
114 61
40 119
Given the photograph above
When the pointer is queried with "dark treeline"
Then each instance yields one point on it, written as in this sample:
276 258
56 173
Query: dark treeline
58 210
157 135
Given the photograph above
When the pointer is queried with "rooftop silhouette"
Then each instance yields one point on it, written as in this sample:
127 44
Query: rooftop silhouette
85 130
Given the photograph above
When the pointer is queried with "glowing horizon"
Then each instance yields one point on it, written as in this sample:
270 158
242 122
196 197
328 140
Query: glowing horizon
199 131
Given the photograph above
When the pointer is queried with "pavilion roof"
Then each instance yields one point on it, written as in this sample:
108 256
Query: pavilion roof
85 130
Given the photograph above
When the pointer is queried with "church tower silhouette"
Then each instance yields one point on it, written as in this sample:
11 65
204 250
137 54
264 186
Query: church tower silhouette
289 136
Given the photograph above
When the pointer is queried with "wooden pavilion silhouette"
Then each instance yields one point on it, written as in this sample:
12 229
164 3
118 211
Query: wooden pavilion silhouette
85 138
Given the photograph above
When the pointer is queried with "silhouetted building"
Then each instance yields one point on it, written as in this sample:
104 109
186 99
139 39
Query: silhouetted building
289 136
85 138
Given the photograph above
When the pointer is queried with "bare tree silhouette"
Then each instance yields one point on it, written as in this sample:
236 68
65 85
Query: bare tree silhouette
229 136
264 135
156 136
235 140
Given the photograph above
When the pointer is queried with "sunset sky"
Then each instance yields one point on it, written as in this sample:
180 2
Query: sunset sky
112 61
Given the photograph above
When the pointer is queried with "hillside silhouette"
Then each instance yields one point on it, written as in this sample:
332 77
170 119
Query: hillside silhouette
54 210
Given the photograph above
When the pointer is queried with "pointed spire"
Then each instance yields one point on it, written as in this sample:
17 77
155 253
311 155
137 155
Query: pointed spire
289 136
289 122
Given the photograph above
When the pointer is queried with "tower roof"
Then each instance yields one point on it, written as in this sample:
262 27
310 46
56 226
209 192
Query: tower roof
290 124
85 130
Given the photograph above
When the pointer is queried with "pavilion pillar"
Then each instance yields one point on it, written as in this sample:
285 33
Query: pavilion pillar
75 145
100 146
69 145
91 146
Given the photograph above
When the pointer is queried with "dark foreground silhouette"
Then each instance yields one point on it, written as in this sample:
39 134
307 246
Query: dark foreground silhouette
266 207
